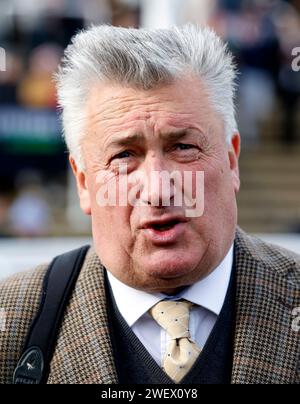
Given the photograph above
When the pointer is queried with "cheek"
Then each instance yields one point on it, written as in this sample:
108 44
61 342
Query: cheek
105 196
112 219
219 189
112 226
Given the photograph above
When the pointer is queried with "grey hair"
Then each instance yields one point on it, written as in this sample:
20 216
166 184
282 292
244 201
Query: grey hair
143 59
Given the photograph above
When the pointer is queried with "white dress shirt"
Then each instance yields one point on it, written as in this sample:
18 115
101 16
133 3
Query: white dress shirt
208 294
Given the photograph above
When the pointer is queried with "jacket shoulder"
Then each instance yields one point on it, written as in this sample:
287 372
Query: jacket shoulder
20 297
273 257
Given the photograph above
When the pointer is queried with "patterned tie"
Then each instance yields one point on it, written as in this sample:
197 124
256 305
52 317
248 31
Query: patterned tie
181 352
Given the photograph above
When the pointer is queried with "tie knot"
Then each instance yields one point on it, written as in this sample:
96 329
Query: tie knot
173 317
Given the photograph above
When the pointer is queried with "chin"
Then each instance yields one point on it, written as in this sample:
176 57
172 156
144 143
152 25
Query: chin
169 267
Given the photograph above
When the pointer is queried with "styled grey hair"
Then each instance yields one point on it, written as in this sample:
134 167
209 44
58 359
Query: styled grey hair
142 59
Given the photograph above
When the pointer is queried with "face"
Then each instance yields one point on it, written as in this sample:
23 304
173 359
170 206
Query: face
151 246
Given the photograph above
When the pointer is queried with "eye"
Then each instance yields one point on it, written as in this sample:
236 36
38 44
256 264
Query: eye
184 146
123 155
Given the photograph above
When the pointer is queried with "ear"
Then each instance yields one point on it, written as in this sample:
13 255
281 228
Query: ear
83 192
234 154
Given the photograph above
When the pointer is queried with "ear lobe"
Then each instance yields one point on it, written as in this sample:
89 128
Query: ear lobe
83 191
234 154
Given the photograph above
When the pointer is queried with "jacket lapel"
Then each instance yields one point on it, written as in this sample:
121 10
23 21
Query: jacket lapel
84 354
266 349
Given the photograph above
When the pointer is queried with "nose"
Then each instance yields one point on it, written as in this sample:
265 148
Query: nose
158 185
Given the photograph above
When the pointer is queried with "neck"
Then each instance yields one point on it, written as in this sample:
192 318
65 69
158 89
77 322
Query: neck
173 292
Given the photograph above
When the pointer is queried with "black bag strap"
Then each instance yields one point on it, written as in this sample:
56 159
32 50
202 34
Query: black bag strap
59 282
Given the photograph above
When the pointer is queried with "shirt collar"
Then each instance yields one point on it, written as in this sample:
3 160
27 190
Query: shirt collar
209 293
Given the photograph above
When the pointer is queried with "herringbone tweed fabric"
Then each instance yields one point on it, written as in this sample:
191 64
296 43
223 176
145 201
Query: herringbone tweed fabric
266 350
19 298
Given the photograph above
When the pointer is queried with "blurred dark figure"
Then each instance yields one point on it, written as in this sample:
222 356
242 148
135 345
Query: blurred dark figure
55 29
287 21
29 215
124 14
6 197
262 35
249 29
9 79
37 89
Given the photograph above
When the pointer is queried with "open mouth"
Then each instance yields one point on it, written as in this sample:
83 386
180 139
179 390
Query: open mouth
164 226
165 231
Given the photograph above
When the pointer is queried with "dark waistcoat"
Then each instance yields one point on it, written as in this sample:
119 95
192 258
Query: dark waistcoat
135 365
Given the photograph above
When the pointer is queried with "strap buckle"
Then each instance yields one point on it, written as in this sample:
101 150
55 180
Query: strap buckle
30 367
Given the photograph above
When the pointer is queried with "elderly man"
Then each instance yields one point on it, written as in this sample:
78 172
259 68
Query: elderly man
172 290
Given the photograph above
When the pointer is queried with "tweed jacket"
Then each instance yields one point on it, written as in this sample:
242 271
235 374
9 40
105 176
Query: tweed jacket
266 341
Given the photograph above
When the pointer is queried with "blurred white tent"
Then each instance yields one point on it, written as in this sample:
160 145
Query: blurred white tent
18 255
165 13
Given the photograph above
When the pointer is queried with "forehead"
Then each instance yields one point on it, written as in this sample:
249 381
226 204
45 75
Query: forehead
111 107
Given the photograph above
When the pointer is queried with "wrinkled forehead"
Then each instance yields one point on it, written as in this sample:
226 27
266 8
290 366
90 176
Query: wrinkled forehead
113 107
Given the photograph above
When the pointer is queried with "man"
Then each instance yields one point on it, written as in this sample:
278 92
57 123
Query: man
168 294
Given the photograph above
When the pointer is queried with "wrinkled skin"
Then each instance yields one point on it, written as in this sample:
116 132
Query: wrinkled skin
115 111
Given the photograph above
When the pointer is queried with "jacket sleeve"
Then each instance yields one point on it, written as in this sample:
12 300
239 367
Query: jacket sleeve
20 296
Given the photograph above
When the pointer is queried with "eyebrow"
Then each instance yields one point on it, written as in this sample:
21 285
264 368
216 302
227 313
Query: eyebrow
128 140
175 135
139 138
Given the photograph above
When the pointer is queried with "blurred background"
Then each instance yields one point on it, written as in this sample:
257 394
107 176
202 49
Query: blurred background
39 212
